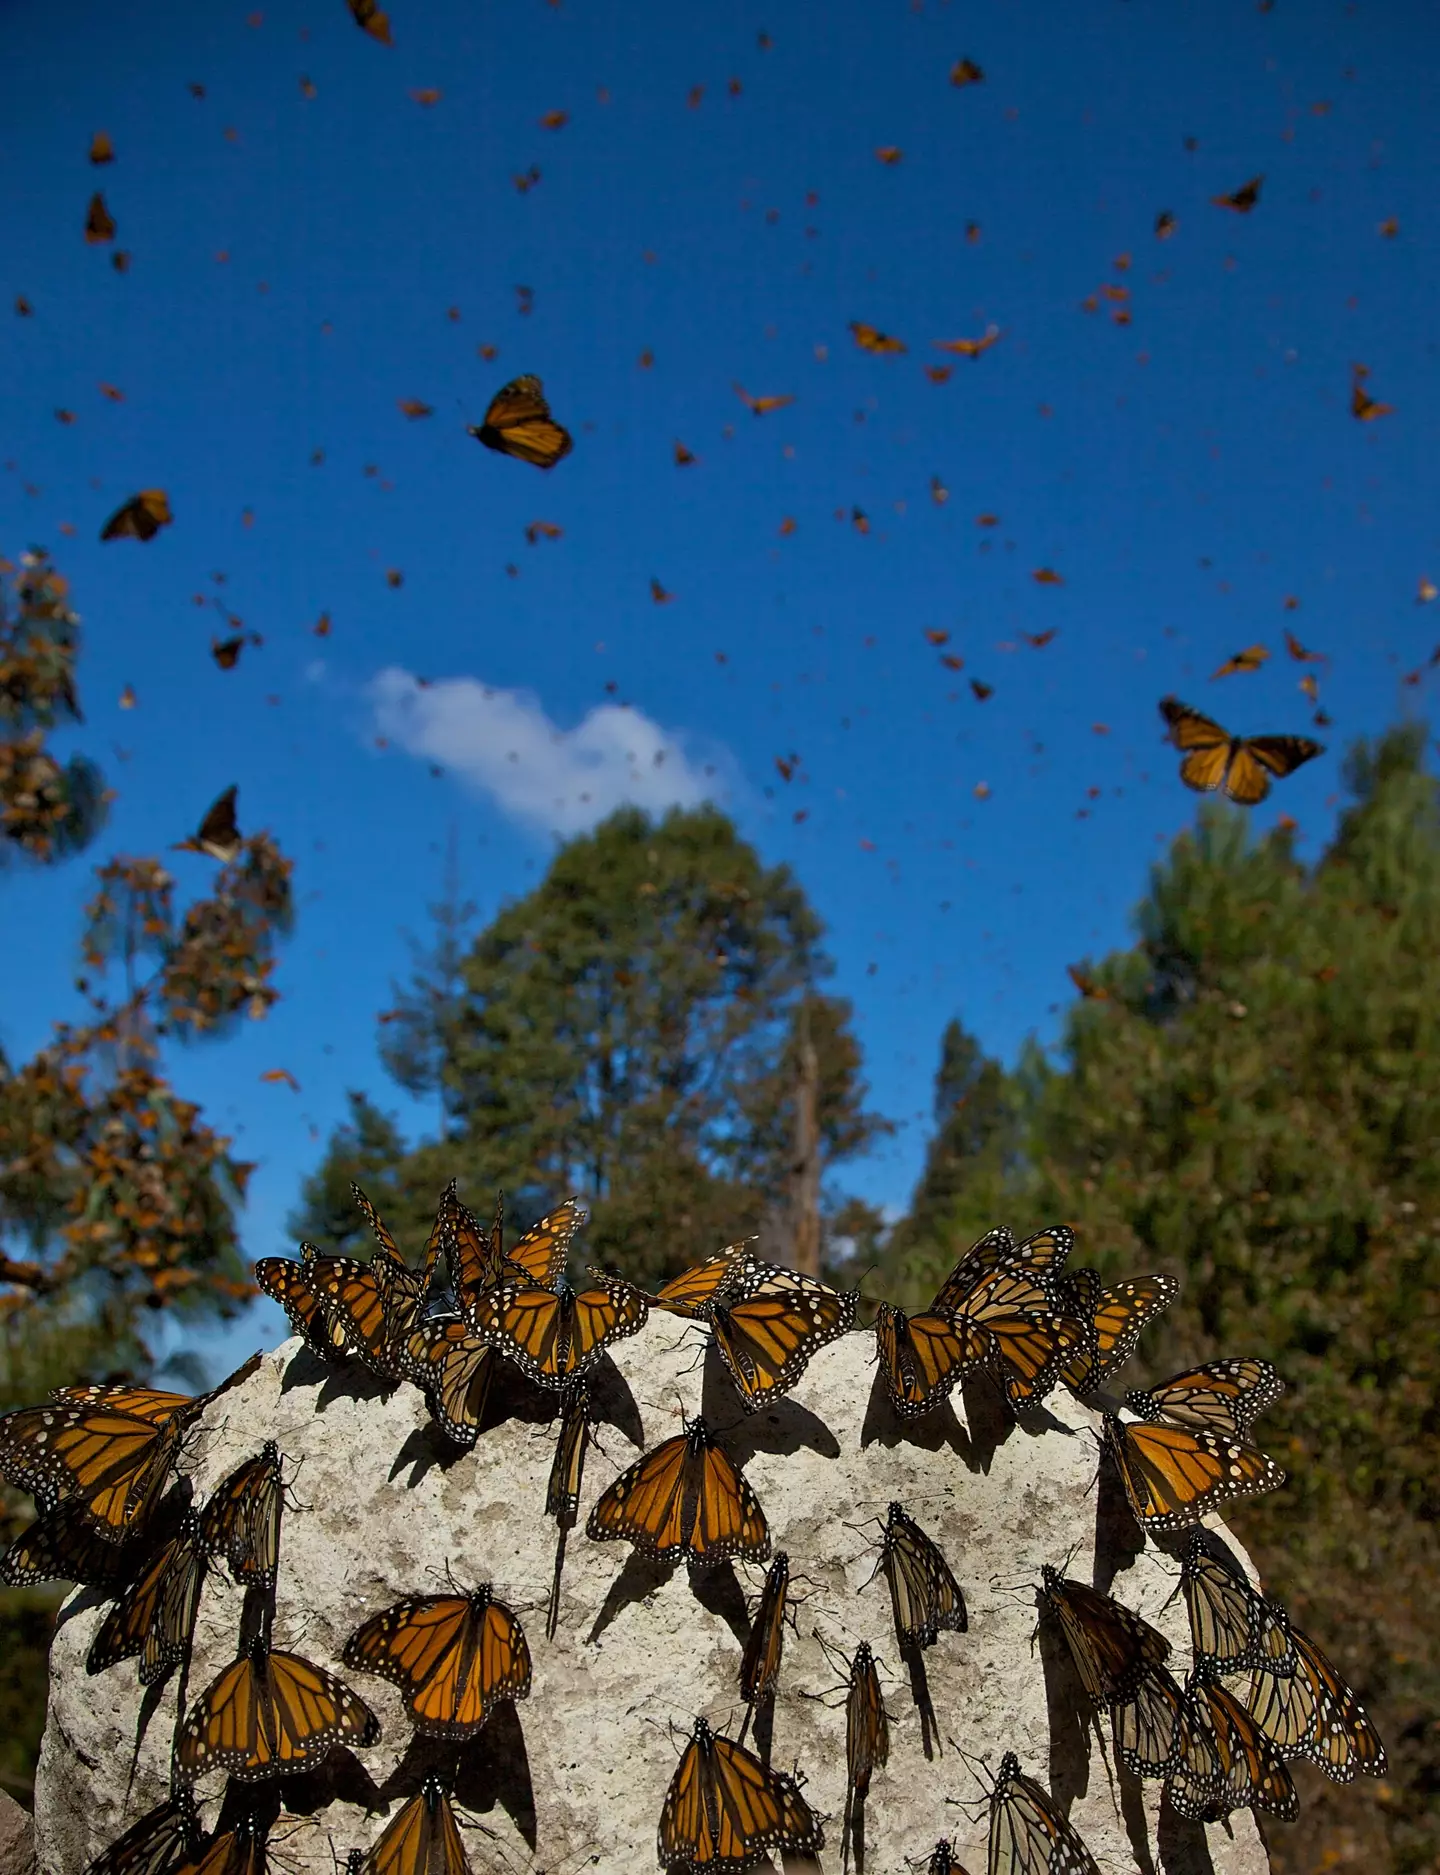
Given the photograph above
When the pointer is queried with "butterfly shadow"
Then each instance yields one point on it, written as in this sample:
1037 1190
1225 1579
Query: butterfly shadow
353 1381
339 1778
1067 1713
783 1426
914 1659
717 1588
494 1767
424 1449
794 1864
640 1577
306 1368
612 1402
987 1418
1118 1536
1131 1798
1182 1843
934 1431
514 1395
762 1729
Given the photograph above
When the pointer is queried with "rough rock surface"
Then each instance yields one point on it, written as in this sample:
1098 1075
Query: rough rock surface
575 1776
17 1855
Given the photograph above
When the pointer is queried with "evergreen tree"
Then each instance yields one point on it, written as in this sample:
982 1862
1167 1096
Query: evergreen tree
627 1032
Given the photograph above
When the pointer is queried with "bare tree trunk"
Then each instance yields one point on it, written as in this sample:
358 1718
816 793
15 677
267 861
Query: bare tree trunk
805 1172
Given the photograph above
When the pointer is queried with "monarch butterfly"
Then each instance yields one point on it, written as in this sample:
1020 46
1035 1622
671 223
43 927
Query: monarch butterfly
140 518
1118 1316
519 423
1148 1727
924 1355
474 1253
112 1464
767 1323
760 1663
541 1253
155 1617
1312 1713
867 1726
454 1369
1223 1397
423 1838
162 1839
61 1546
369 18
376 1303
1113 1648
1007 1289
871 339
1173 1477
554 1335
726 1810
942 1860
1028 1836
1241 765
148 1403
269 1714
218 835
1232 1626
924 1595
1248 1770
684 1498
1243 199
236 1851
690 1293
454 1657
290 1283
241 1521
562 1493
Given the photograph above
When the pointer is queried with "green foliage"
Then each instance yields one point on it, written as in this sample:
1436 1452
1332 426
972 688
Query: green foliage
628 1031
1255 1106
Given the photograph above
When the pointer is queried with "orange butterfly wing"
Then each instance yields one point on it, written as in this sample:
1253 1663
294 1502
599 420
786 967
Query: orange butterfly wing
1174 1476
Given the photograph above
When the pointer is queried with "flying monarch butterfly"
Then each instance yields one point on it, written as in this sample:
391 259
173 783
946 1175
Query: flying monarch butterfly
1248 1770
239 1850
562 1493
1242 765
218 835
1243 199
871 339
287 1281
454 1369
726 1810
112 1464
162 1839
1232 1626
691 1293
1223 1397
1118 1316
422 1838
241 1520
1312 1713
760 1662
1173 1476
684 1498
924 1595
369 18
925 1355
554 1335
268 1714
155 1617
762 406
454 1657
61 1546
518 423
140 518
1028 1836
768 1321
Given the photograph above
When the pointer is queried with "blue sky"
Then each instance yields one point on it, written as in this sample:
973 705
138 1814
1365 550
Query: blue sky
1184 473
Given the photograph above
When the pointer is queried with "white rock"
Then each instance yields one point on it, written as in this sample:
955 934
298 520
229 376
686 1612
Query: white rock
575 1775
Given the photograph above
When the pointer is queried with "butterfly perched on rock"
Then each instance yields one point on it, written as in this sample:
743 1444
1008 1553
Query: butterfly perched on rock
1121 1660
925 1598
155 1617
1243 766
768 1321
1028 1835
454 1657
518 423
1174 1476
726 1810
686 1498
267 1714
1224 1397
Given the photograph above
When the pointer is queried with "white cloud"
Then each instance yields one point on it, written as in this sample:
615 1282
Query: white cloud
561 780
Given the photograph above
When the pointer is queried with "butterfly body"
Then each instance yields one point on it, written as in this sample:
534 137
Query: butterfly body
269 1714
155 1618
867 1729
925 1355
765 1647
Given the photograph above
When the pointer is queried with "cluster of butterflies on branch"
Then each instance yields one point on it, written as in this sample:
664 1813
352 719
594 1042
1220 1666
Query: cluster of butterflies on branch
98 1460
